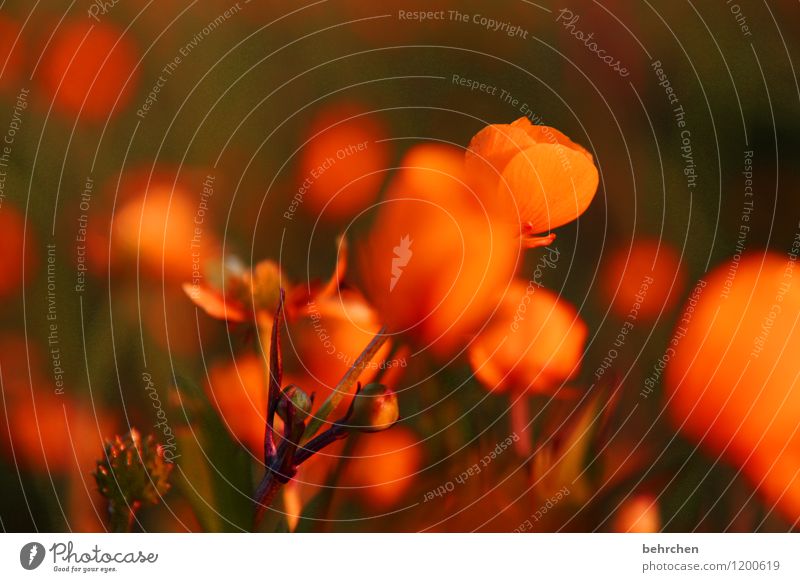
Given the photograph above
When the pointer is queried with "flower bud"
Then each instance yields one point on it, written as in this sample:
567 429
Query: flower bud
532 172
374 409
299 399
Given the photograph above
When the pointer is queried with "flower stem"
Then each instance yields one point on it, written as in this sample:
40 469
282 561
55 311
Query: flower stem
121 518
265 495
520 424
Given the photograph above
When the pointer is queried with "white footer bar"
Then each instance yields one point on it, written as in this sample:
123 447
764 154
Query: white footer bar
402 557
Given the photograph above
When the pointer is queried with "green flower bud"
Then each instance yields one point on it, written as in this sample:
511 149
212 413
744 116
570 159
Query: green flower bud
299 399
374 409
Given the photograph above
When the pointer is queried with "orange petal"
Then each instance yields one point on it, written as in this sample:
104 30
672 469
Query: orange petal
460 258
492 149
731 381
432 172
532 242
333 284
214 303
544 134
459 264
551 185
328 337
534 342
492 153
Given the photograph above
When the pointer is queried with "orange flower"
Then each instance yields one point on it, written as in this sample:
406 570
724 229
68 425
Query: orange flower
383 467
638 514
647 276
435 263
12 257
342 165
249 294
532 172
534 342
158 229
48 432
90 69
732 379
327 327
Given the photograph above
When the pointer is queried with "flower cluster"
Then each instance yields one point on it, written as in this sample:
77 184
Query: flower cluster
133 474
437 270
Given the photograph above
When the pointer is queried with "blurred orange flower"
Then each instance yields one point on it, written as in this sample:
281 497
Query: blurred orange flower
732 380
52 433
534 342
248 294
638 514
532 172
69 441
435 262
383 467
647 276
90 69
158 230
342 166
